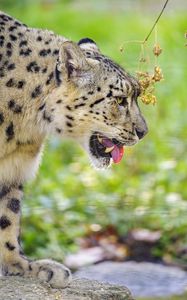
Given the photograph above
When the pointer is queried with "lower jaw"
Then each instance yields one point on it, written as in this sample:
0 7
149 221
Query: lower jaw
101 163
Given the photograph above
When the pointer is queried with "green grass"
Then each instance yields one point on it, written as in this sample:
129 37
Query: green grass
148 189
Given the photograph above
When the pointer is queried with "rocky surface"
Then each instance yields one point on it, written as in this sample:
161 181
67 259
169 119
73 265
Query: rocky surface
17 288
143 279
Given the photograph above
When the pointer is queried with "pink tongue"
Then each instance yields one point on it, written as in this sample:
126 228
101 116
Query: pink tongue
117 152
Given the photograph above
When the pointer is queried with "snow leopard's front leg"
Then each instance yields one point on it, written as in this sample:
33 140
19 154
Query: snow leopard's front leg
12 259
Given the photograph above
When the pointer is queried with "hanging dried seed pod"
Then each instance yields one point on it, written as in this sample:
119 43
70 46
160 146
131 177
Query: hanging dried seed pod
157 76
148 98
147 83
157 50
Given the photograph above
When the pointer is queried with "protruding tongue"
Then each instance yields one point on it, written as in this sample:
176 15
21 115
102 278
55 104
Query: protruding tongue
116 153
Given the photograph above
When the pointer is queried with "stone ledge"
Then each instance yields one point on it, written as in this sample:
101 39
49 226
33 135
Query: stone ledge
17 288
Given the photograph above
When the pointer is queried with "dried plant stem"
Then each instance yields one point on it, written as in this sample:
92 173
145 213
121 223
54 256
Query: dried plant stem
158 18
146 79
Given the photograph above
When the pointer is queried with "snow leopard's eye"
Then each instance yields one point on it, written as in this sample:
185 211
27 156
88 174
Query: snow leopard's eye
122 101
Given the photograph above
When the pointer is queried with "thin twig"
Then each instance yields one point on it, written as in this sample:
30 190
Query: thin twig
145 40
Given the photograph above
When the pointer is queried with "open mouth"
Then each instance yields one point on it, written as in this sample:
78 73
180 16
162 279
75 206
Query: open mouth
101 146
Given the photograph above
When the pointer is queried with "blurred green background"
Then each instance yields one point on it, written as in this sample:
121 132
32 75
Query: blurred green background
149 188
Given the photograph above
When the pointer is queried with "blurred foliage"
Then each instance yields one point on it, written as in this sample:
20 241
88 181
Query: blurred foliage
179 297
148 189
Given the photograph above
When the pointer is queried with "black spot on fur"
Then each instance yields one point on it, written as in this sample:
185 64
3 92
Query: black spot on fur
69 124
84 98
12 28
9 45
11 67
9 246
90 93
9 53
13 37
98 58
10 132
109 94
23 43
68 107
41 107
48 42
25 52
6 18
10 82
4 222
6 63
14 205
44 70
33 67
39 39
20 34
37 91
2 40
98 89
21 84
97 102
47 117
69 117
45 52
1 118
16 108
56 52
58 130
19 24
4 191
11 103
59 101
50 77
79 105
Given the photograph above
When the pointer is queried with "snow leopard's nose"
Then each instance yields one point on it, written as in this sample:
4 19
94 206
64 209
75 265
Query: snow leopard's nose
141 133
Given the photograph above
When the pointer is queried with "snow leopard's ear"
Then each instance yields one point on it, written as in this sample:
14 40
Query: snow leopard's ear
73 65
88 44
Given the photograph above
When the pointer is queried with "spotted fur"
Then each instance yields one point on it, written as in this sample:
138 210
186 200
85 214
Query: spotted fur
49 85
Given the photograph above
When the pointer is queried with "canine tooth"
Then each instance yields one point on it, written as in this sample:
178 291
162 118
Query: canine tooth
99 139
109 149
